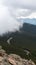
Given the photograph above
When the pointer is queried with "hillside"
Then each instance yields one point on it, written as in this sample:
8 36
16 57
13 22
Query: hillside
13 59
22 40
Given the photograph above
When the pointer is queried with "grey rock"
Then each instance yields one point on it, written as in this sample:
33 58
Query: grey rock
13 59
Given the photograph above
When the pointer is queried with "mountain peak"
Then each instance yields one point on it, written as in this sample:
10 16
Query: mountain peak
29 28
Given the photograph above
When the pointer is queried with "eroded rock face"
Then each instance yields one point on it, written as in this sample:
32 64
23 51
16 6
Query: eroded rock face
13 59
17 60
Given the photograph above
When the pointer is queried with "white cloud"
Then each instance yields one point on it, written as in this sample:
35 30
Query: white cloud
23 13
8 20
21 8
33 15
31 4
11 10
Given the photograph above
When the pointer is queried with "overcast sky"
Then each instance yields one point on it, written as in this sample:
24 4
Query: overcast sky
12 10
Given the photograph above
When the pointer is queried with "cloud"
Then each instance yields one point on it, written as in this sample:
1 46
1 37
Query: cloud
28 4
8 20
22 7
12 10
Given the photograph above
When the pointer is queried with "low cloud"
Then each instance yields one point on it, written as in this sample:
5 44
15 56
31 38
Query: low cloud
12 10
8 21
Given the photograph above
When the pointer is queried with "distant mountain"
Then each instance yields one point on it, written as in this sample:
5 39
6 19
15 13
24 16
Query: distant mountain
29 28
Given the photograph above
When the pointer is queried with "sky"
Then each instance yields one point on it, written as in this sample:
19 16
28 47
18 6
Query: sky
11 11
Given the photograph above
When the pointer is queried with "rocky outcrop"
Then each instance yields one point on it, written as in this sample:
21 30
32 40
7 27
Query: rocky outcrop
13 59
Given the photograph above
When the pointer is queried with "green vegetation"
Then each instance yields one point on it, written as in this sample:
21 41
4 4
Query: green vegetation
20 42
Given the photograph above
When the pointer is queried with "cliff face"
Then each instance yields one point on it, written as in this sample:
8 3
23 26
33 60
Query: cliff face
29 28
13 59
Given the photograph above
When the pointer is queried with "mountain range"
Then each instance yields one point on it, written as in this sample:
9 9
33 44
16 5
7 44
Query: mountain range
24 39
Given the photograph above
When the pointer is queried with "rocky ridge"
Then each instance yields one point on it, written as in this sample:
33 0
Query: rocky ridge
13 59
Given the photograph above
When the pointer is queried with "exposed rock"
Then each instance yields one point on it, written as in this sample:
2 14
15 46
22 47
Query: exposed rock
13 59
8 41
27 52
17 60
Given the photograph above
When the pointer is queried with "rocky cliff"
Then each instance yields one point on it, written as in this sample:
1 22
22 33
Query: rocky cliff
13 59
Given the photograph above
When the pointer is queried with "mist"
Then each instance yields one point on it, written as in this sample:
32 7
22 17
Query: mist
11 11
8 21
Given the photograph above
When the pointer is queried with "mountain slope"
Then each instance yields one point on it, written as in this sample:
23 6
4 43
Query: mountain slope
22 40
